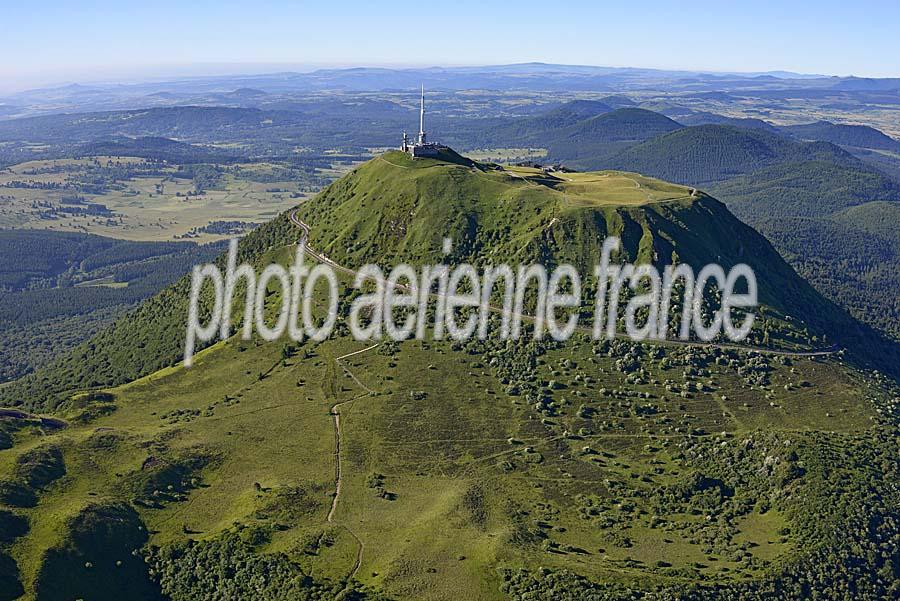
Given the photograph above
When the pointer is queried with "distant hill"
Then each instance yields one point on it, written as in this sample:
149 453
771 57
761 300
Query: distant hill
618 101
156 122
538 129
868 84
320 123
706 118
248 93
716 96
710 153
586 144
577 110
861 136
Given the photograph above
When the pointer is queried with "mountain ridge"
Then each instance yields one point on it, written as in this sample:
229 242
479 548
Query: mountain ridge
524 217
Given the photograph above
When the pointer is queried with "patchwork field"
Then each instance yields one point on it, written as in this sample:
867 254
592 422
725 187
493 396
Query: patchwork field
141 200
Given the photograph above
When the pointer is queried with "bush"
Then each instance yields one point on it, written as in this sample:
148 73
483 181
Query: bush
97 558
41 466
16 494
12 526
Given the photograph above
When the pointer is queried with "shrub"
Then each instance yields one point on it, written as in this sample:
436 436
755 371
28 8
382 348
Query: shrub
41 466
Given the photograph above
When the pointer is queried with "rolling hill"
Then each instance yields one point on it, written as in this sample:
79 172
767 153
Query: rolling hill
587 143
707 118
780 186
711 153
536 130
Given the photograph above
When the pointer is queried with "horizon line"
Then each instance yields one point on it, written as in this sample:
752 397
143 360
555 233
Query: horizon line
169 72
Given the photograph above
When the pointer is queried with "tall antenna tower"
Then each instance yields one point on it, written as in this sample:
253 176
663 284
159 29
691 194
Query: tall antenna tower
422 118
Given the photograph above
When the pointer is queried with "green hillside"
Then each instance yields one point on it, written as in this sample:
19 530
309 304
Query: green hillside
468 471
709 153
525 215
835 225
876 217
804 189
781 186
850 256
431 200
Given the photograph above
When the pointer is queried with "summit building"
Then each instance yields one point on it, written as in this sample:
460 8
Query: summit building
421 147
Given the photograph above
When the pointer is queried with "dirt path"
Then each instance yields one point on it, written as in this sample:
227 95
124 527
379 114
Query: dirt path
338 468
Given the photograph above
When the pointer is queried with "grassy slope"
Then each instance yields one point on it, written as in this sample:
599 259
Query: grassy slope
441 456
464 498
395 209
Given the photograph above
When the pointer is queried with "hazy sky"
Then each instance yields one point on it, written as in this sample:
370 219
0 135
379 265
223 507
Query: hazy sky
62 41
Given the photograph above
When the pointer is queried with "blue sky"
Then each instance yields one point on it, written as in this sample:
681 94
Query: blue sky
56 41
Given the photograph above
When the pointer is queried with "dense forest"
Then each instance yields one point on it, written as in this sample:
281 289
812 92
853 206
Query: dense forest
711 153
859 136
58 288
848 260
801 195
